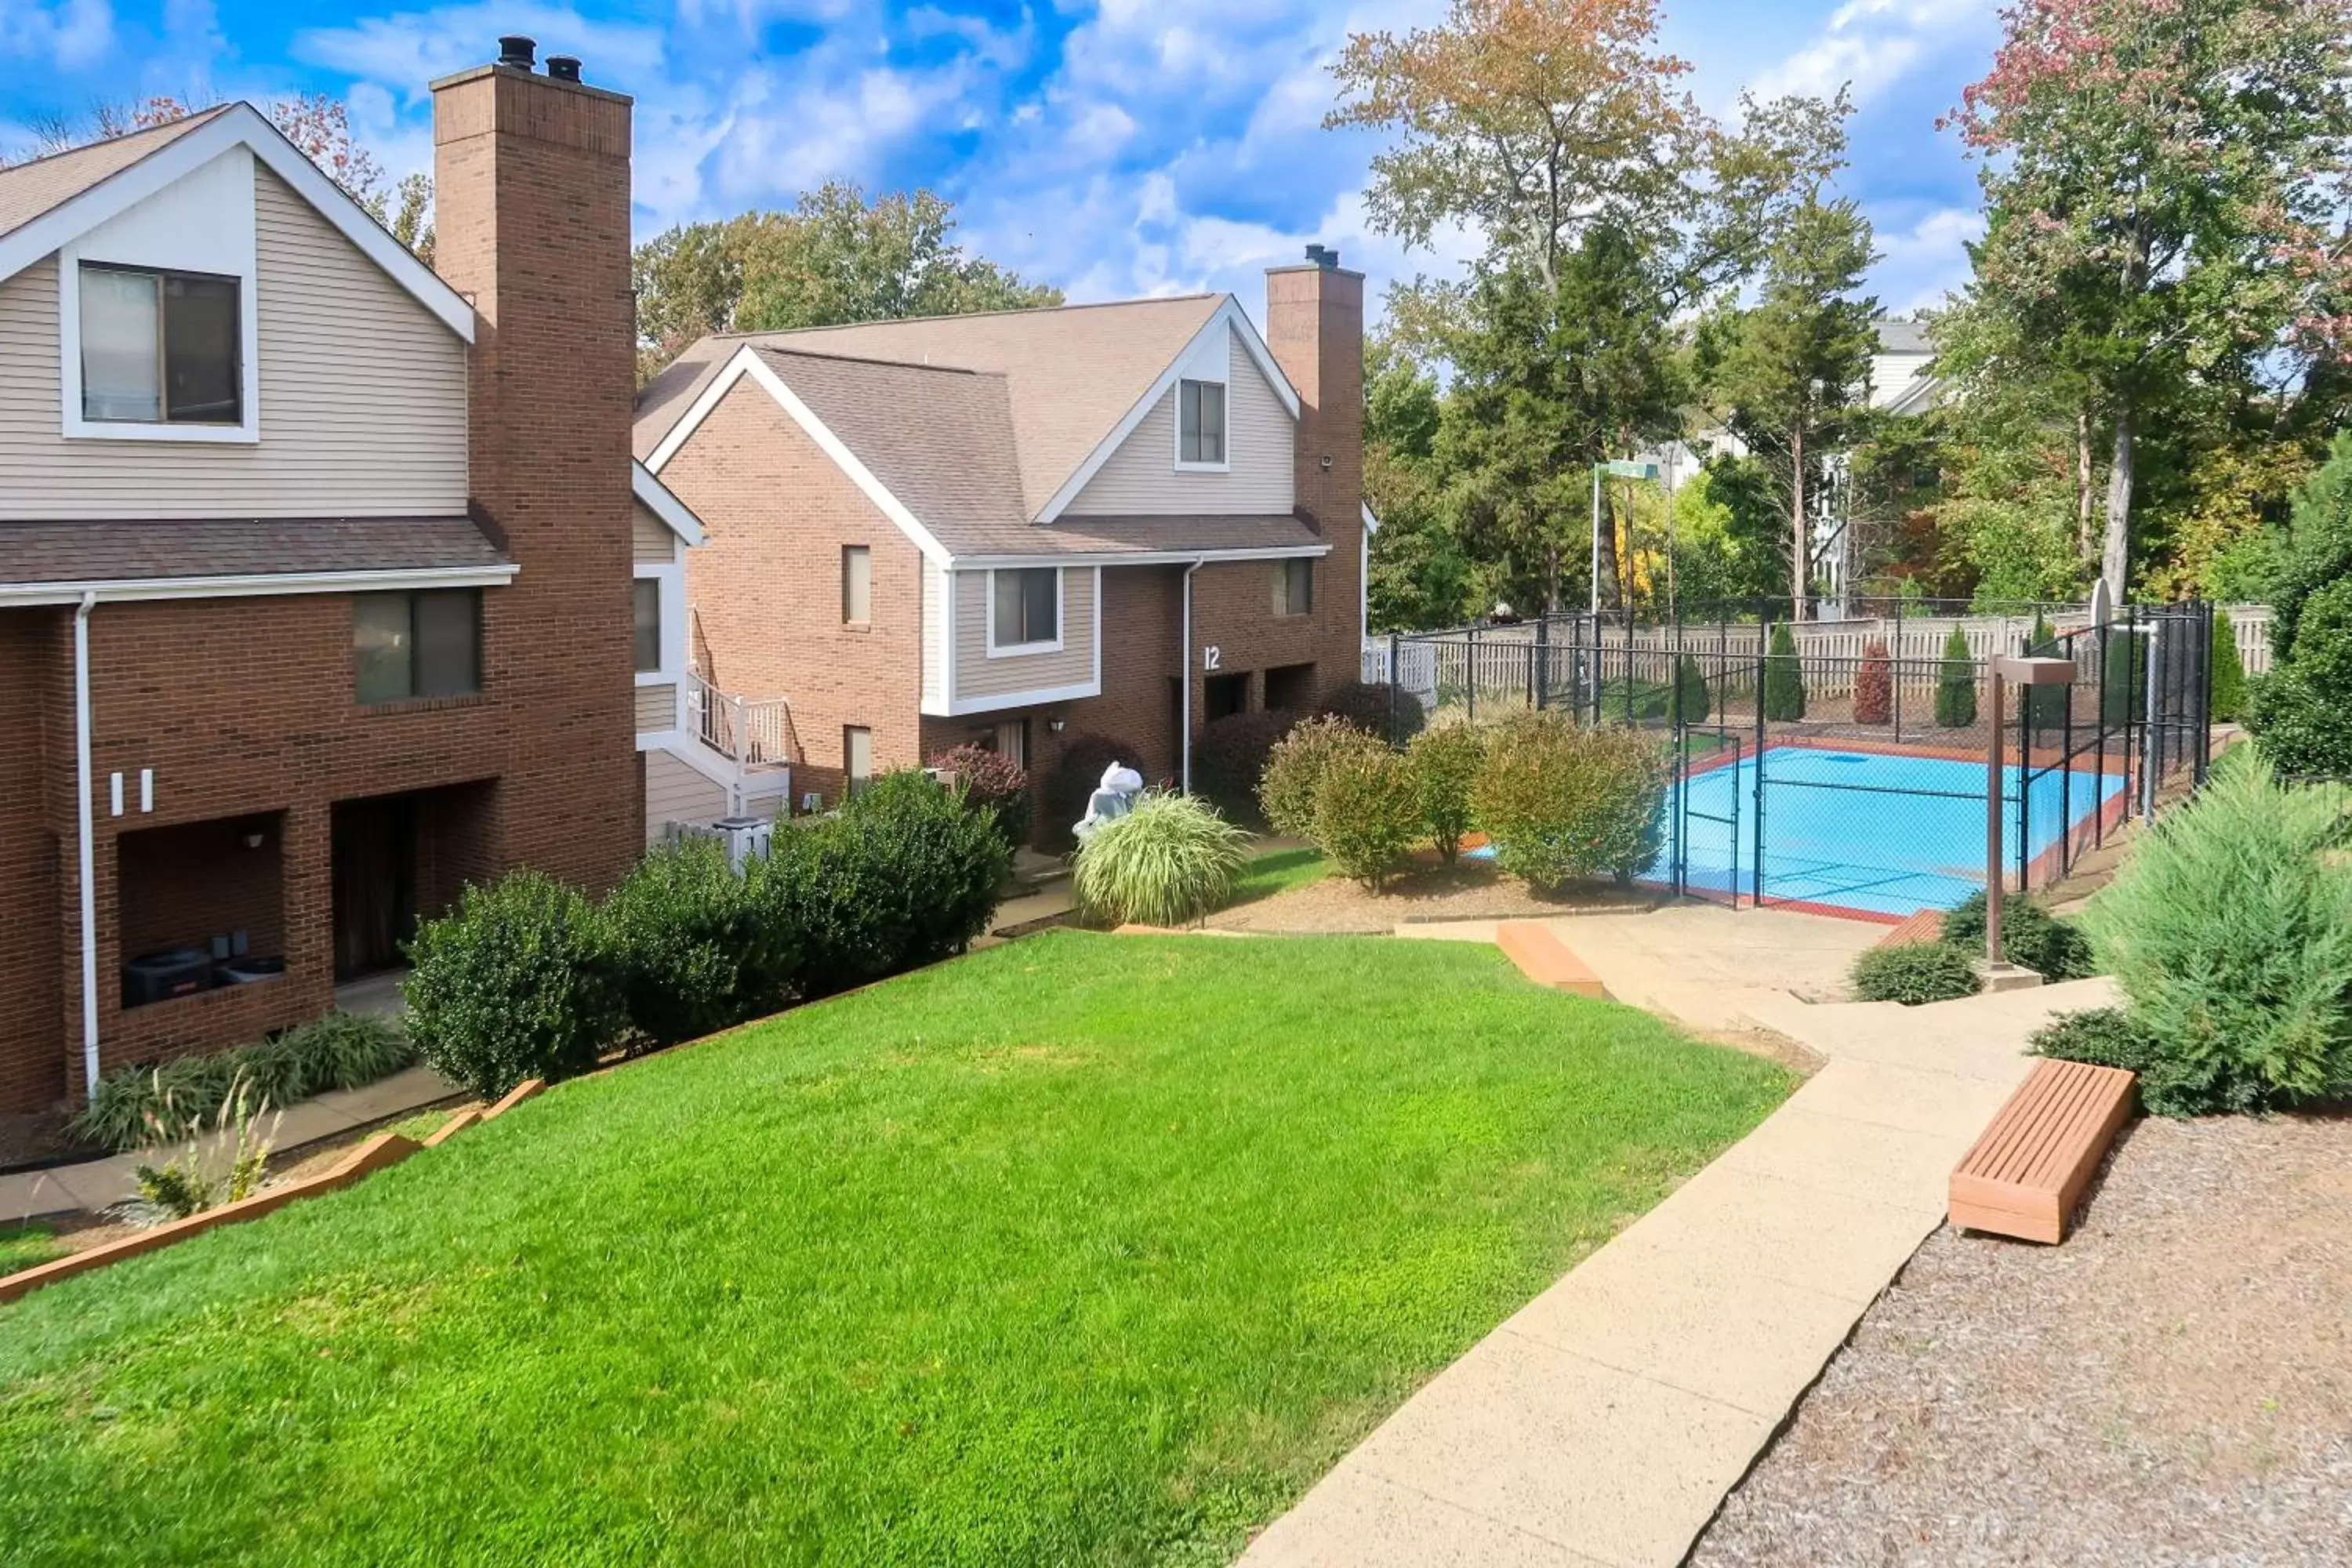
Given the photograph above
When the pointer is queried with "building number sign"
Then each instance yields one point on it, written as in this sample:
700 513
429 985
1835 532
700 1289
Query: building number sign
1208 656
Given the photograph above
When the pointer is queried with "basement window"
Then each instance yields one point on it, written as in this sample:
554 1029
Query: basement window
159 348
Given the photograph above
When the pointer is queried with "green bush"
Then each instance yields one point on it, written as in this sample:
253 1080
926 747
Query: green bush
1956 687
1913 972
988 779
514 984
1294 770
2225 684
1368 813
2048 944
2103 1037
142 1105
1444 760
2302 714
1077 772
1229 757
2230 931
1168 862
1784 679
2045 706
688 947
1559 802
1376 708
1696 701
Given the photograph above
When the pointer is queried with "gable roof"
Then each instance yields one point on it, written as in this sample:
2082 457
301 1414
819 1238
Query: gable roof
54 201
662 501
1075 378
1904 335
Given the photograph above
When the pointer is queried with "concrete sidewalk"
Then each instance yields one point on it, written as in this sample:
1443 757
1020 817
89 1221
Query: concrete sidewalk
1606 1420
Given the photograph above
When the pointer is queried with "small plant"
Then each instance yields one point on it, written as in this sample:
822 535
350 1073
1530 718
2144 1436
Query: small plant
1696 701
2030 936
137 1106
1294 769
220 1164
514 984
1956 687
1874 685
1561 803
1445 759
1914 972
1229 757
989 780
1389 712
1168 862
1784 679
2226 684
1368 814
2103 1037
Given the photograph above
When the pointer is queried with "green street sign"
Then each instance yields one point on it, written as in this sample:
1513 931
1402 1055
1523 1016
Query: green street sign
1621 469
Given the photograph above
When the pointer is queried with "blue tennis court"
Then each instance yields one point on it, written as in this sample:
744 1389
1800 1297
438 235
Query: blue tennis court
1875 832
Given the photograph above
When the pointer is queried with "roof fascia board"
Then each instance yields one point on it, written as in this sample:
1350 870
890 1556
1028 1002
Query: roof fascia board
1139 558
663 502
747 361
1227 317
239 125
257 584
1372 523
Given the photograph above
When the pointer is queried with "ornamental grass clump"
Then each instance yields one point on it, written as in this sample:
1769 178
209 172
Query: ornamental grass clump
137 1106
2230 931
1368 814
1560 802
1915 973
1168 862
1294 769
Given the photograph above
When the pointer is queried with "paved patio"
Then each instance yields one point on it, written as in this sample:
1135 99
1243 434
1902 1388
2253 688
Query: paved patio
1606 1422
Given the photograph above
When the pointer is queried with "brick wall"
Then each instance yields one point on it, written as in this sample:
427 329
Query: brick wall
32 1069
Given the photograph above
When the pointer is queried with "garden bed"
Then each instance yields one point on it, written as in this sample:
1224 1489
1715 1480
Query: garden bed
1466 890
1082 1249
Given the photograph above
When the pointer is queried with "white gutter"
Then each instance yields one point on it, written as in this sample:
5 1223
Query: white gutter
257 584
1185 715
86 831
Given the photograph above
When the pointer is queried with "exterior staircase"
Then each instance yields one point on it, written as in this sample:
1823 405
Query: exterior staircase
745 745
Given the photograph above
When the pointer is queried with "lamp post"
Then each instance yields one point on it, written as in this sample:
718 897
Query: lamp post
2027 672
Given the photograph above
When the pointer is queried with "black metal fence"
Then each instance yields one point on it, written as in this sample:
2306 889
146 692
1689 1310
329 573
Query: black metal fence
1845 765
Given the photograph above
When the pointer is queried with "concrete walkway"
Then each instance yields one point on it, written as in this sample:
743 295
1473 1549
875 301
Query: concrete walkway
1606 1420
94 1185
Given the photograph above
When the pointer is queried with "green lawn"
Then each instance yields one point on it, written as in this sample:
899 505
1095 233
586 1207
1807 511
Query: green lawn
1273 871
1084 1249
23 1247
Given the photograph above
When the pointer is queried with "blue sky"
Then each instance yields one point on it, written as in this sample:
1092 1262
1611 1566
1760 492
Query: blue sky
1119 148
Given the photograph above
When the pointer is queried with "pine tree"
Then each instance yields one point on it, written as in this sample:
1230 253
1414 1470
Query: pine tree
1874 685
1695 699
1784 682
1956 688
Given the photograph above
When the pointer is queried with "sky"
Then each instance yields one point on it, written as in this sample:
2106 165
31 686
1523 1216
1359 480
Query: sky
1115 149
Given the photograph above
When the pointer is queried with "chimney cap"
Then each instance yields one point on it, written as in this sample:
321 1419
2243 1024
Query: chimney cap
518 51
563 67
1322 255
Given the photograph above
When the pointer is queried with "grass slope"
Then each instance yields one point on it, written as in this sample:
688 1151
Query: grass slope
1086 1250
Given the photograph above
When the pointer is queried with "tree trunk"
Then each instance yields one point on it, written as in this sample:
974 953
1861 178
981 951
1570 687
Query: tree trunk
2083 550
1799 578
2116 560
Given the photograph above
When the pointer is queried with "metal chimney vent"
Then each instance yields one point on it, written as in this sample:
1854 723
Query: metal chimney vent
518 51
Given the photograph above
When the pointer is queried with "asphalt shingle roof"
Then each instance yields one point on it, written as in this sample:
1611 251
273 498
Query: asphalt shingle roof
28 190
133 550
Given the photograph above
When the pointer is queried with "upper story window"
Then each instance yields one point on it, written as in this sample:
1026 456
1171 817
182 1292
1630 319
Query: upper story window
1294 587
648 625
1201 424
426 644
1024 613
159 348
856 585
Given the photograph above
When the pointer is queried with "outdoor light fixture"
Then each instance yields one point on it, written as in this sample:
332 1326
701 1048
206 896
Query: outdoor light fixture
1054 726
1998 670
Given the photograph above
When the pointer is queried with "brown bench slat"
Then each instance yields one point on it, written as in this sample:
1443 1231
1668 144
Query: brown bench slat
1543 958
2028 1170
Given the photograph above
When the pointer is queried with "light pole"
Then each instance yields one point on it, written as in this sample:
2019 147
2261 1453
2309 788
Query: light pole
2000 975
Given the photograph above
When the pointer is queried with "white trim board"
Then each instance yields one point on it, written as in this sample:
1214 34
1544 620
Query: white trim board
239 125
996 702
257 585
663 502
1139 558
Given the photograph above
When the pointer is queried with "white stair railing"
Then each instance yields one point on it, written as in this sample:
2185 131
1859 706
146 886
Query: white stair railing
751 732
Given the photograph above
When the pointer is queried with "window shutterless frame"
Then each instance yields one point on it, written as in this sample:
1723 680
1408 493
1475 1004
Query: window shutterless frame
1200 425
414 645
1024 610
195 371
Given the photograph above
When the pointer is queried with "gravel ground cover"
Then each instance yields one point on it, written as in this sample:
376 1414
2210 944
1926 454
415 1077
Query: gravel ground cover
2172 1385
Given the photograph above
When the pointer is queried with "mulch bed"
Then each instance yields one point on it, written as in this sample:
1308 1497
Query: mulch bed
1466 890
2172 1385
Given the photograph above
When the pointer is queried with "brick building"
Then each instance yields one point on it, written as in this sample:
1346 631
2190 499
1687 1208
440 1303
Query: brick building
324 577
1126 520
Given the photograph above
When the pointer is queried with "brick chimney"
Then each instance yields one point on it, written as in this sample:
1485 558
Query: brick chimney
1315 325
530 178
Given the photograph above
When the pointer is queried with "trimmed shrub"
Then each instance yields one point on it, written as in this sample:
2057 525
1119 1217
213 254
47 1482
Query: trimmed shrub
689 948
2230 931
1444 760
1294 769
1784 680
990 781
1392 713
1168 862
1560 802
2226 676
1077 773
513 983
1696 701
2045 706
1874 685
1956 686
2103 1037
1914 972
1229 757
1368 813
2051 946
2301 715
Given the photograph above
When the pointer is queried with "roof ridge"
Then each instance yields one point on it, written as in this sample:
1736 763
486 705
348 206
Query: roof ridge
871 359
979 315
192 115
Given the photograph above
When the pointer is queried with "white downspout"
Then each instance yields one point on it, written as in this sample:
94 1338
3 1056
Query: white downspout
1184 716
86 831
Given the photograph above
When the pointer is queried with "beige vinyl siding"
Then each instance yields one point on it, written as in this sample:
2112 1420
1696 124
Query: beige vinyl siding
977 675
363 396
1141 478
657 707
676 793
656 545
935 636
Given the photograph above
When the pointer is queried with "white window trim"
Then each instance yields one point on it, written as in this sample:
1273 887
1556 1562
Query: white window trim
1061 615
1224 465
672 578
247 432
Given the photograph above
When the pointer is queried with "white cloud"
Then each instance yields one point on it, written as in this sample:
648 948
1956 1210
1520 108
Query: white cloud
405 50
69 36
1919 264
1871 44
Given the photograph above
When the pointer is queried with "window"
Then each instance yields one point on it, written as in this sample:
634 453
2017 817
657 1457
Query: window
1027 610
856 585
1201 421
159 348
857 757
417 645
648 623
1294 587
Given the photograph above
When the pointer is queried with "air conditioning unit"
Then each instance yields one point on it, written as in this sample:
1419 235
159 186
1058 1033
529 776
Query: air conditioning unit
748 838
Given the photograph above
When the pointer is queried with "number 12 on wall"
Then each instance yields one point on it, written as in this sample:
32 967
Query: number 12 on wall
1208 656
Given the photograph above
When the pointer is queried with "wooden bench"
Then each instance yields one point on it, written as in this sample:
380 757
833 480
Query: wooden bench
1543 958
2028 1171
1928 925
